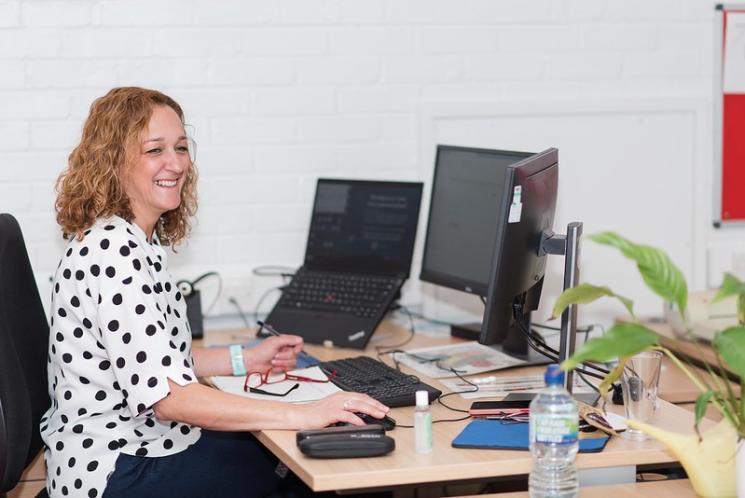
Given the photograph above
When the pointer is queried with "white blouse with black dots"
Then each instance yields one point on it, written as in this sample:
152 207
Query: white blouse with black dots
118 332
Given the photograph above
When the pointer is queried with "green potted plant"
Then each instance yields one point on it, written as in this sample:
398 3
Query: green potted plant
709 457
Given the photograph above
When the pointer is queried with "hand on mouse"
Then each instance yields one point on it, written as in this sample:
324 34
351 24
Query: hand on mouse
338 407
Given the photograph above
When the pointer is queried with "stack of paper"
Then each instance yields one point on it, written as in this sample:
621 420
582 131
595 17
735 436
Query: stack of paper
305 392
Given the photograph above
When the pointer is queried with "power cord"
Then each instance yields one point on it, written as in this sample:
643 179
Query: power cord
285 272
381 350
551 354
430 320
234 302
536 336
261 300
440 398
187 287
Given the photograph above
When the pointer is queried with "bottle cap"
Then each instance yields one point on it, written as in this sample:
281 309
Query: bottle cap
554 375
422 398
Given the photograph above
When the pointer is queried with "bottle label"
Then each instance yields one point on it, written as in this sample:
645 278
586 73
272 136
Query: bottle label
553 428
423 432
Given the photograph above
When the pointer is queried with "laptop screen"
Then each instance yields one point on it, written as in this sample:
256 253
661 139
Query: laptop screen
363 226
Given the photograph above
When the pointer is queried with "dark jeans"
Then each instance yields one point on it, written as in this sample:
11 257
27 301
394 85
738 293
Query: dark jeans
223 464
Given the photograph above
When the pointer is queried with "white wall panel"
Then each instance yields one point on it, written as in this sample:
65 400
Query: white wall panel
628 166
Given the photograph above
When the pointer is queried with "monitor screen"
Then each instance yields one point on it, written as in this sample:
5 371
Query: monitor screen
465 206
363 225
488 214
518 263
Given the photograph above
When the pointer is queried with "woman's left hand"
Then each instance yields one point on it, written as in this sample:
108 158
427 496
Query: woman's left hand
275 353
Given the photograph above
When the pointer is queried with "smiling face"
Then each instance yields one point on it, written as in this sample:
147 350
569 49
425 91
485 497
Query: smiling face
153 183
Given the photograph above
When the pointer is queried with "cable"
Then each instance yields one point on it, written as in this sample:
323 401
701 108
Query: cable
585 363
217 294
555 359
592 386
234 302
430 320
187 287
261 300
441 396
380 349
542 326
421 359
445 395
585 329
438 420
551 353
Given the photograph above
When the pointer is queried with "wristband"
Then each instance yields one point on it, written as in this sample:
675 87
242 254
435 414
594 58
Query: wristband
236 359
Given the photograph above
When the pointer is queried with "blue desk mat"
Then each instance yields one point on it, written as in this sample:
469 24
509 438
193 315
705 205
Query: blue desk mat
505 435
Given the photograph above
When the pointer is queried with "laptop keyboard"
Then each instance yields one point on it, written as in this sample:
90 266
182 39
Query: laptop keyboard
360 295
386 384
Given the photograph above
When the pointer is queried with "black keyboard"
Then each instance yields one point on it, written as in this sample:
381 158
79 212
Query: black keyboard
356 294
387 385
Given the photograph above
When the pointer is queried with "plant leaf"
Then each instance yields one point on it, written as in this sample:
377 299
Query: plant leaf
730 343
731 286
612 239
701 403
660 274
613 376
621 340
586 293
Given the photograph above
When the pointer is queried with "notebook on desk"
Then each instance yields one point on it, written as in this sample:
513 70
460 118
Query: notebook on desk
358 255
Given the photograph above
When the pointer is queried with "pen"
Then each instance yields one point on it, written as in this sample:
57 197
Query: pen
273 331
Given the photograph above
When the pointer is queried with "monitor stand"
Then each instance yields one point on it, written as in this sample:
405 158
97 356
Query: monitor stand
471 331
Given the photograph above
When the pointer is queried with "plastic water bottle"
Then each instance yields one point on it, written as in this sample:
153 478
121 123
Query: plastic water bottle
553 439
422 423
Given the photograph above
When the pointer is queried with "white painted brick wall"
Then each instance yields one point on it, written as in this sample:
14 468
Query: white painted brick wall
55 14
279 92
294 101
14 135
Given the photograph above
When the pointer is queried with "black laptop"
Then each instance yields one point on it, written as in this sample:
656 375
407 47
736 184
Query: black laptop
358 255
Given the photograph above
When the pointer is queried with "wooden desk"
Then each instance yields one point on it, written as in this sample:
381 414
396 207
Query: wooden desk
679 488
444 464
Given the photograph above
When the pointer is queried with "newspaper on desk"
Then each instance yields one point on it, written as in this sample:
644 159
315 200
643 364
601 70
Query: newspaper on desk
470 358
467 358
305 392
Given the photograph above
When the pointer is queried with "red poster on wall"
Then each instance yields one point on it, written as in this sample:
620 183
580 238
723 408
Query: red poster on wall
730 119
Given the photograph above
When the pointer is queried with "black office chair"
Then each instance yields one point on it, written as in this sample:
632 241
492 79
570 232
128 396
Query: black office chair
24 336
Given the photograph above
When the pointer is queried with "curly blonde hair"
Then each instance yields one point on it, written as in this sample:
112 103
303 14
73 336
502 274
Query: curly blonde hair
91 186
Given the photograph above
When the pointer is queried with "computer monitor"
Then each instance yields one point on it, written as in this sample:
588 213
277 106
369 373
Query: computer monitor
489 212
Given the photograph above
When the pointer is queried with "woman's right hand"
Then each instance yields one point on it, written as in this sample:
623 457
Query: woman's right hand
338 407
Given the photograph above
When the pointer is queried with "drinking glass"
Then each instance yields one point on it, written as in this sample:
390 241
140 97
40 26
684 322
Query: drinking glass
640 380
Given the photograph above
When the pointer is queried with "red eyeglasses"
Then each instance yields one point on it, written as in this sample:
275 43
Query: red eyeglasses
254 380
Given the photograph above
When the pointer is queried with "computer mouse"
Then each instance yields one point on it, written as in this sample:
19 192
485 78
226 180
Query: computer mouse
387 422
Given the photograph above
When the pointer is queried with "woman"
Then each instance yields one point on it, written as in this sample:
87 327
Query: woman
128 414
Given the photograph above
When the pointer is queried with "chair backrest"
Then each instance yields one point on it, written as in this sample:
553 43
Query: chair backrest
24 337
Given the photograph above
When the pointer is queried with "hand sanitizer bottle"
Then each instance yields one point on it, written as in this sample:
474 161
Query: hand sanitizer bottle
422 423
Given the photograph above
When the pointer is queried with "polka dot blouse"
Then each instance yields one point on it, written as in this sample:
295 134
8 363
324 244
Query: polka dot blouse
118 333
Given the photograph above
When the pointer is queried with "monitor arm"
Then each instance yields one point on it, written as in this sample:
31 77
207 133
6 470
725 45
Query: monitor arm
567 246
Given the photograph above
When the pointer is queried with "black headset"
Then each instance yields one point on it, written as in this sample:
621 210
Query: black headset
187 287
